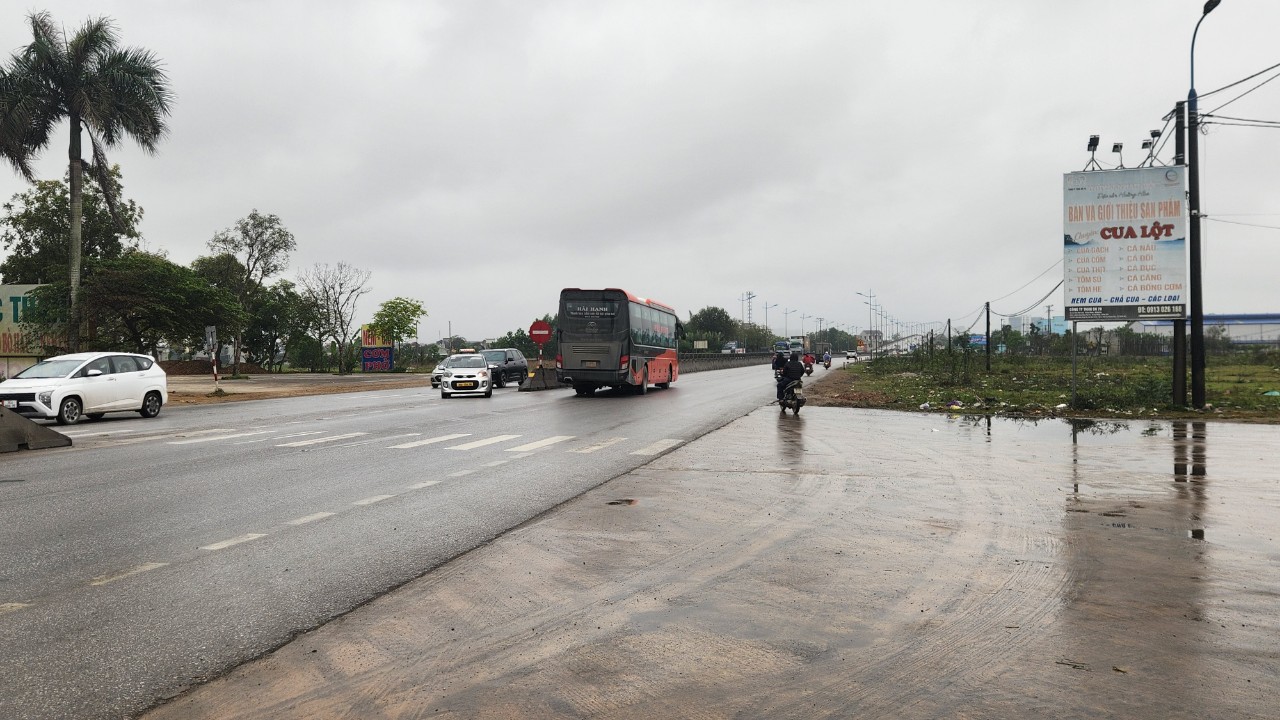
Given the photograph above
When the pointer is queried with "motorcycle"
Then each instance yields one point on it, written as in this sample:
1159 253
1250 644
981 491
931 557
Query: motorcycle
808 368
792 397
826 364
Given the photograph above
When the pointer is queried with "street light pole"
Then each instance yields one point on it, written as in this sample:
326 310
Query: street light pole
786 330
766 316
1193 199
871 320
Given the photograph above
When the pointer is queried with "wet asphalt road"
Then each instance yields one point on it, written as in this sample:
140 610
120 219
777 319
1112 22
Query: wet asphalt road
840 564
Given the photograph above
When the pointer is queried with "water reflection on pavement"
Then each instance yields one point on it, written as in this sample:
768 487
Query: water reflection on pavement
841 564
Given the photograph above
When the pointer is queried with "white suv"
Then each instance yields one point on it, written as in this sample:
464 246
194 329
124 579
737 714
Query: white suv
69 387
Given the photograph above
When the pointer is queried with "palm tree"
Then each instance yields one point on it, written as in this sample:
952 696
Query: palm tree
98 88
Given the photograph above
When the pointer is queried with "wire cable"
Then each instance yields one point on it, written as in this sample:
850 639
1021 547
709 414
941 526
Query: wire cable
1235 222
1238 82
1054 265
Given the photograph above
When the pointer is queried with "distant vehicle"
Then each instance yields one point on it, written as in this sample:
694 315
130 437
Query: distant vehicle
506 365
438 372
611 338
466 375
68 388
782 346
797 344
730 348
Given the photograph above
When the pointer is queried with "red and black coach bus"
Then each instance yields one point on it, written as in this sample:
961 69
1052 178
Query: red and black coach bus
611 338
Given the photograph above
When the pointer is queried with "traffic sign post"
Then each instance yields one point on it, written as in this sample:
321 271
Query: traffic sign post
211 346
540 333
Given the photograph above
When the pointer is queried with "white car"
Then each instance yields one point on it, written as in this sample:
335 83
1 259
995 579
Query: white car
70 387
466 374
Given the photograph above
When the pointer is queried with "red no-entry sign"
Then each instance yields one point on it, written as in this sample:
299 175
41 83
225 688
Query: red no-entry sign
540 332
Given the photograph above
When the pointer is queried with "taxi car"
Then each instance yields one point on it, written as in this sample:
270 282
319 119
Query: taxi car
465 374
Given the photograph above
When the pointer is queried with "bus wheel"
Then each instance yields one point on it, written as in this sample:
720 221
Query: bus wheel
643 387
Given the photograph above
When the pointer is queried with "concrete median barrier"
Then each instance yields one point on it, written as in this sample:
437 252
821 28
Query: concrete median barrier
19 433
541 379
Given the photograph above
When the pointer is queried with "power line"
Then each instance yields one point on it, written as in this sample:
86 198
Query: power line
1234 222
1246 92
1054 265
1238 82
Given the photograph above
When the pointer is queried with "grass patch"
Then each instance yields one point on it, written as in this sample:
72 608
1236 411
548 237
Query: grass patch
1104 386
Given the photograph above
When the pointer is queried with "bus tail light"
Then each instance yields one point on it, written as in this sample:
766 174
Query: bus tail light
559 361
626 360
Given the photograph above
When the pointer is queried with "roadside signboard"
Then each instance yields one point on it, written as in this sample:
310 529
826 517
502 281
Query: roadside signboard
1124 244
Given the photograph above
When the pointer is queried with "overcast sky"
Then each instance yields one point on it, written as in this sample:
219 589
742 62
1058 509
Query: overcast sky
479 156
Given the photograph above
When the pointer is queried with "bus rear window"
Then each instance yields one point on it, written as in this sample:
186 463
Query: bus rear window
589 316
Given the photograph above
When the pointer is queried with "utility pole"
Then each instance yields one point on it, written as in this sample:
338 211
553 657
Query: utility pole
766 316
988 337
749 296
1180 324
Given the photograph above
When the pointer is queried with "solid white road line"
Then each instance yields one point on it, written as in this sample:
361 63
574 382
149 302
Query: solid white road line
541 443
428 441
103 580
599 446
372 500
482 443
657 447
311 518
233 541
317 441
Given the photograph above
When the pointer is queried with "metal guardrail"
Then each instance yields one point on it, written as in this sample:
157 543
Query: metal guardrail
695 362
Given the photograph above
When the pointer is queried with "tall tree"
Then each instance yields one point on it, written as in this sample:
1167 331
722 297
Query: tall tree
261 244
100 89
36 224
397 319
137 301
335 291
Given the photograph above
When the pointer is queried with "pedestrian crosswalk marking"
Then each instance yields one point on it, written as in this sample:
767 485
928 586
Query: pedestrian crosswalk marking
657 447
481 443
316 441
370 441
599 446
541 443
427 441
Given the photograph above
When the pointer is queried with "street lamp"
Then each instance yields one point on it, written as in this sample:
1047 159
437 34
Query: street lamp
871 322
1193 200
766 316
785 330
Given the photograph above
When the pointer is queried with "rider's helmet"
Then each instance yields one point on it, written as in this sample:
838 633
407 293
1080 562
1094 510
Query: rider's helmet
795 354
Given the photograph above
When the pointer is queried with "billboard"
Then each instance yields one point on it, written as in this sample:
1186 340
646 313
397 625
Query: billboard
1124 244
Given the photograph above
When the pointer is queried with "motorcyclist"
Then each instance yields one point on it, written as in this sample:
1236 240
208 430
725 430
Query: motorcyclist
808 362
826 359
779 362
791 372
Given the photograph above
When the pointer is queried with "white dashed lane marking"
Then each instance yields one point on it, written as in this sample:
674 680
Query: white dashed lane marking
233 541
317 441
10 607
657 447
145 567
426 484
311 518
599 446
541 443
372 500
481 443
428 441
215 438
